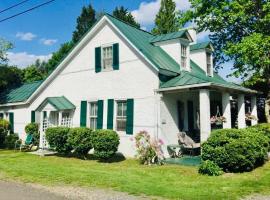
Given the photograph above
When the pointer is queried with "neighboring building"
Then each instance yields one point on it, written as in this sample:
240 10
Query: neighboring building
123 78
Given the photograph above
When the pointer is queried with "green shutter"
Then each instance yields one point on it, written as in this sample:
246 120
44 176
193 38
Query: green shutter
1 115
33 116
44 114
11 121
100 114
98 59
110 114
116 56
130 116
83 113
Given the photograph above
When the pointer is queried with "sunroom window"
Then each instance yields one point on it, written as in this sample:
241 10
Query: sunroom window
107 58
208 64
184 56
93 115
121 117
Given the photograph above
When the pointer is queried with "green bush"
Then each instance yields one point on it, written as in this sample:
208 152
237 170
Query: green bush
4 127
105 143
210 168
236 150
81 140
32 128
10 141
57 138
264 128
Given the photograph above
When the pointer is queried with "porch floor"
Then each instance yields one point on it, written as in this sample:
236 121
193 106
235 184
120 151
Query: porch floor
185 160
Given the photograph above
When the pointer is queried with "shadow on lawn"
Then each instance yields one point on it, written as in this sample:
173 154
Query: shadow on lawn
118 157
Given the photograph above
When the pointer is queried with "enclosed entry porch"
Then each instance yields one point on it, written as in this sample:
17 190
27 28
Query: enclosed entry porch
201 109
53 112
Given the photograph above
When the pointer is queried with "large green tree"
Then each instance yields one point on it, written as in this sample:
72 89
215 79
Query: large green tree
240 32
10 77
124 15
32 73
84 22
166 19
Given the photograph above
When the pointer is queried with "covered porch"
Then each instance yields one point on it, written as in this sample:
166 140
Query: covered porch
198 109
53 112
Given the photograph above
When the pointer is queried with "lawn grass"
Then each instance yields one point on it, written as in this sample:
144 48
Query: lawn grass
168 181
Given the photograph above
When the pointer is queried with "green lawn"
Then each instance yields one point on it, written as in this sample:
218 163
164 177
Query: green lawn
169 181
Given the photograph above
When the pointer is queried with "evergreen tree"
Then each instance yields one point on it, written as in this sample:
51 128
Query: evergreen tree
124 15
166 19
84 22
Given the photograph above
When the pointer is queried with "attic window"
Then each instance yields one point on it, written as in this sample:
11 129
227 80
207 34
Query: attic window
184 56
107 58
208 64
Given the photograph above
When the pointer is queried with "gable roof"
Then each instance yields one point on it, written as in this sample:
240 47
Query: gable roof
20 94
168 36
197 76
141 40
202 45
59 103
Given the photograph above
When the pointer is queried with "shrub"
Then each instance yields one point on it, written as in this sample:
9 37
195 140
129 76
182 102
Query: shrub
264 128
57 138
81 140
105 143
32 128
210 168
236 150
4 127
148 151
10 141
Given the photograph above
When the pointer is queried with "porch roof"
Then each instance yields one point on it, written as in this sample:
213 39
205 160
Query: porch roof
59 103
197 77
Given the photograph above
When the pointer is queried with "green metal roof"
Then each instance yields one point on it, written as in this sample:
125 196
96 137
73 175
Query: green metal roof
168 36
201 45
140 39
198 76
59 103
20 94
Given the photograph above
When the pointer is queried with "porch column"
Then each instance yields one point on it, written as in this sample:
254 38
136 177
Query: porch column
41 130
254 110
205 125
60 116
241 111
226 109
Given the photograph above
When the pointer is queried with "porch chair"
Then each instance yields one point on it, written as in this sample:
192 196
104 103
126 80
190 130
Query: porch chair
187 143
27 144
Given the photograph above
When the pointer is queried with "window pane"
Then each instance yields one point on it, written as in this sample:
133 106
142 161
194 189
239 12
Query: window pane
124 109
119 109
93 123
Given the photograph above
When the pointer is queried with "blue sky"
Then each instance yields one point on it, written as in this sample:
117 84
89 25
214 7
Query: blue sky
40 32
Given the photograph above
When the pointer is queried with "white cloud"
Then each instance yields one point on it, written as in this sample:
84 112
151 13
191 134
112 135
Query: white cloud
23 59
48 42
25 36
146 13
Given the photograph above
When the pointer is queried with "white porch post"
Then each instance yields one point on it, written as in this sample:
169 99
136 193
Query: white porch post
226 109
41 130
60 116
254 110
241 111
205 124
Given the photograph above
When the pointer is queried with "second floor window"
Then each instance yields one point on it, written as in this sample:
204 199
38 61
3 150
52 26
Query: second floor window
121 116
184 56
93 115
107 58
208 63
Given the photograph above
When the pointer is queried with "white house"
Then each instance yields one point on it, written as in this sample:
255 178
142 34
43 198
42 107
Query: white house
123 78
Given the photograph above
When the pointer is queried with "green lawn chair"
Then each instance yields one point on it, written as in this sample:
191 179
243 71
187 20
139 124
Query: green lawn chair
27 144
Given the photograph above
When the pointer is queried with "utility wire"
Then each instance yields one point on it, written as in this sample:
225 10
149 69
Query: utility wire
13 6
33 8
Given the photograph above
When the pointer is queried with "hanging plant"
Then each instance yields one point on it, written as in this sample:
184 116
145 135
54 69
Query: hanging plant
250 117
217 119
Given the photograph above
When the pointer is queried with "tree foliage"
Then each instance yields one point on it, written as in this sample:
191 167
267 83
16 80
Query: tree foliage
85 21
4 47
166 19
124 15
10 77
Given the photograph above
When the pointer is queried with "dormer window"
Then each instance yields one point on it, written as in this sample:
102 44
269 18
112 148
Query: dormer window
107 58
208 64
184 56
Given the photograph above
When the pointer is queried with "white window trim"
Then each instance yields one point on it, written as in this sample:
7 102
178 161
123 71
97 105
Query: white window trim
89 116
121 133
102 63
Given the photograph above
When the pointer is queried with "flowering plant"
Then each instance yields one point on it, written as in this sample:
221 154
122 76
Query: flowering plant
217 120
250 117
148 150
